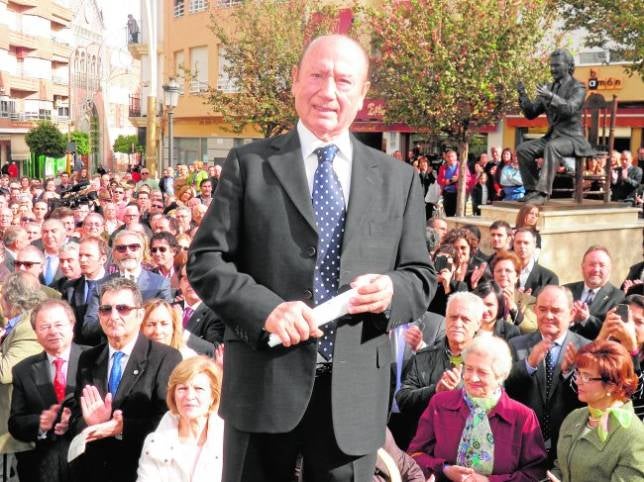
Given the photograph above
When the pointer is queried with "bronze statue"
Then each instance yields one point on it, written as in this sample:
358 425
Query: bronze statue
562 102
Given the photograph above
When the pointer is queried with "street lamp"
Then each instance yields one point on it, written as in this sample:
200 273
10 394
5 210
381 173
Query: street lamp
170 99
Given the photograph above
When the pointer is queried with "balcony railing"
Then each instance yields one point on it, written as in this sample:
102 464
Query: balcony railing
60 79
197 6
179 8
135 106
29 116
197 86
226 3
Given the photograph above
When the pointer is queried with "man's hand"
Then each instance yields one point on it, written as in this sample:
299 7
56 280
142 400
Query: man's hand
538 353
293 322
450 379
569 358
94 409
458 473
61 427
219 356
545 92
580 311
414 338
374 294
111 428
48 417
614 328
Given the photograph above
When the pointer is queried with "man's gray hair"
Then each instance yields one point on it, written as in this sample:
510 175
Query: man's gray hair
22 291
487 344
472 301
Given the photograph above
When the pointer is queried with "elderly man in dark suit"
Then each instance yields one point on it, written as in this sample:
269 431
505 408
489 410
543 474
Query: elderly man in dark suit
595 295
296 218
543 363
562 102
120 387
42 385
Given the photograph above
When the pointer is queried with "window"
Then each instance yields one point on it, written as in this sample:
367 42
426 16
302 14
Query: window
597 57
199 69
178 8
224 82
44 114
197 6
7 107
63 111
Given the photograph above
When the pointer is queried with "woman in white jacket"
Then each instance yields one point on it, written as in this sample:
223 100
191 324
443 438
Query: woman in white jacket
187 445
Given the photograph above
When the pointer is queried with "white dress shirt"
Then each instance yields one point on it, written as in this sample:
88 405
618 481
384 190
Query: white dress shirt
126 350
52 367
342 164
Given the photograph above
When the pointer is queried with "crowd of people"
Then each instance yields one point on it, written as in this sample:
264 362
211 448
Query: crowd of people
497 176
137 315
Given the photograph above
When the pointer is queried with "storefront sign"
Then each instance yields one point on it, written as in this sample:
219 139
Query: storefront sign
603 83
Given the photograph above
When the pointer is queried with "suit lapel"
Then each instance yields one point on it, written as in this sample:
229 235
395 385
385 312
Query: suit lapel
365 180
535 338
288 166
195 319
532 276
600 299
133 370
79 292
72 368
41 374
100 371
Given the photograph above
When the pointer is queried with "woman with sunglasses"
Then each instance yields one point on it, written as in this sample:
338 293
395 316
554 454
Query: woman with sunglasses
605 440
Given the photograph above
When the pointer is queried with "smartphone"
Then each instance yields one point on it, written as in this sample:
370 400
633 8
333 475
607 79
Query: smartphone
622 310
442 262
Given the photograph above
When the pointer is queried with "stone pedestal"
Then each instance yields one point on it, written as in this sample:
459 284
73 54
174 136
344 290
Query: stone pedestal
568 229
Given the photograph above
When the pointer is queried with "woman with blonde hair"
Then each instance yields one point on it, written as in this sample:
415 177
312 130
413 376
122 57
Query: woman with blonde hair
187 446
162 323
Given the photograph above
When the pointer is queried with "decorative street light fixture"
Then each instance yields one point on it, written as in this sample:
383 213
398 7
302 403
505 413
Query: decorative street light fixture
170 99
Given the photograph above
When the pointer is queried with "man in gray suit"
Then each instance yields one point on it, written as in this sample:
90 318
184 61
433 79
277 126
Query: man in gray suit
562 101
298 218
543 363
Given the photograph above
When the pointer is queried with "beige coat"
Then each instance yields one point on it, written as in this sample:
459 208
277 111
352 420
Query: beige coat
19 344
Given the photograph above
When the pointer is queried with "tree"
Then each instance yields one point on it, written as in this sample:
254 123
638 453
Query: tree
81 139
45 139
618 25
448 67
125 144
260 50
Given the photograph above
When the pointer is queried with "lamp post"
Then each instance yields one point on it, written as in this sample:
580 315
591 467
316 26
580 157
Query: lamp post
170 99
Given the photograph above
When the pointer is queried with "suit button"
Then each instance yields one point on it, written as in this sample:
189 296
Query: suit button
311 251
308 295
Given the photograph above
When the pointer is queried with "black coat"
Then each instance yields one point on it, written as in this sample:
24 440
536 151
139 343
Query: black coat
607 297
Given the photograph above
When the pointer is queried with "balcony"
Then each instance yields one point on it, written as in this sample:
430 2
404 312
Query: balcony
60 14
198 86
197 6
226 3
60 51
24 84
60 79
22 40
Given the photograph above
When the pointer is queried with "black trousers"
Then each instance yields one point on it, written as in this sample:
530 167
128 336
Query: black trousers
449 203
552 151
259 457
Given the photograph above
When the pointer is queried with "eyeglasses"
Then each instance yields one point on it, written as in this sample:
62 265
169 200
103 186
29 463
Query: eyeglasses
582 377
26 264
122 248
145 173
122 310
27 220
160 249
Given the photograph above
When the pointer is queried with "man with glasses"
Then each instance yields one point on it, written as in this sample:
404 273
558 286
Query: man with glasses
93 225
163 248
131 218
146 180
120 387
31 260
543 363
41 385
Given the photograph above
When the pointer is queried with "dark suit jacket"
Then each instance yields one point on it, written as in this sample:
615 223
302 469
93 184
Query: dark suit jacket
73 292
607 297
33 392
635 271
257 247
563 112
141 397
205 324
540 277
150 284
625 189
531 389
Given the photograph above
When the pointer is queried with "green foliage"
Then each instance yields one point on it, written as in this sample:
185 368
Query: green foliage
124 144
447 67
617 24
260 52
81 139
45 139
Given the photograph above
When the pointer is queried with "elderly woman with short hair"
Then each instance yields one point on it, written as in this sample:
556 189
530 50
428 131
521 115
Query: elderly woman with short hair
187 446
478 433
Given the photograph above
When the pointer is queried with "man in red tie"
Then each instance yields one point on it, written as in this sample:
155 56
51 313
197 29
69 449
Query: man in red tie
41 384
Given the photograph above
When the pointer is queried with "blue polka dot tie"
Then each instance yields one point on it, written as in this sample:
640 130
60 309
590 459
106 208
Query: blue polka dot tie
328 206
